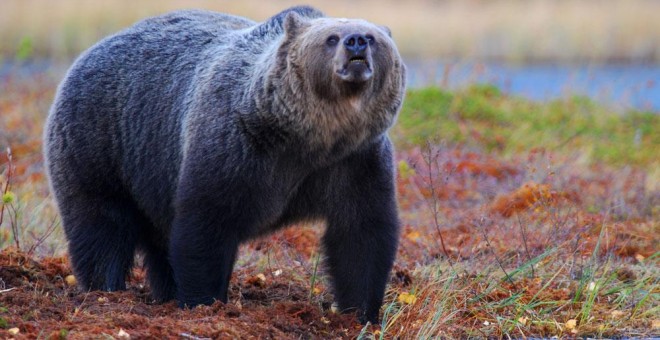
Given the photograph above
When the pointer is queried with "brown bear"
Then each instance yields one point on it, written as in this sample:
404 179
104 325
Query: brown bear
191 132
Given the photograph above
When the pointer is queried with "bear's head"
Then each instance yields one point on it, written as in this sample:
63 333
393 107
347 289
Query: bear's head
341 57
338 82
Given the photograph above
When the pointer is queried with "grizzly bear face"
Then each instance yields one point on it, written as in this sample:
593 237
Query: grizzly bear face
342 57
343 79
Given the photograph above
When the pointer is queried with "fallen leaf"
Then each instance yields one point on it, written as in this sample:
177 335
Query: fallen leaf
592 286
571 324
413 236
123 334
617 314
258 280
407 298
13 331
70 280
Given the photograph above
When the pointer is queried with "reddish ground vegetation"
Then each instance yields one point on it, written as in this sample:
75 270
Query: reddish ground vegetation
37 300
482 215
555 203
491 246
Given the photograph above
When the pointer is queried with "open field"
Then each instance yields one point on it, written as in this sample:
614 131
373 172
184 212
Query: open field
519 219
517 31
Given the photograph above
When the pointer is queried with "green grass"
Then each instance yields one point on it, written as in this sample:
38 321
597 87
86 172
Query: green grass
481 115
480 305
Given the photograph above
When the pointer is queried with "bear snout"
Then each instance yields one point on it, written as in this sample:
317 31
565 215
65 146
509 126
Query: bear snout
356 43
356 66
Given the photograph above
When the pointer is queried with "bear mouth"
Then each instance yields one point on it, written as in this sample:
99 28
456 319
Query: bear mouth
356 70
359 60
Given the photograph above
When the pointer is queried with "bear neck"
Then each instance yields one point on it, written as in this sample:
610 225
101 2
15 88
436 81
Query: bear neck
329 127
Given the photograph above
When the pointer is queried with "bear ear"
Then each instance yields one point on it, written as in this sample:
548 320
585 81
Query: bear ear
386 30
293 23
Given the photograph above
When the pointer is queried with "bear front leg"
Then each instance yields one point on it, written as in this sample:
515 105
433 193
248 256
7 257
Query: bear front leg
362 234
359 260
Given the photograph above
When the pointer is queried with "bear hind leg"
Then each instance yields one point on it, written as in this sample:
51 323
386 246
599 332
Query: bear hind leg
159 273
102 237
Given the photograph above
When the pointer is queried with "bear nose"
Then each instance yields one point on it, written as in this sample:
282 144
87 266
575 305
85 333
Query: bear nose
356 43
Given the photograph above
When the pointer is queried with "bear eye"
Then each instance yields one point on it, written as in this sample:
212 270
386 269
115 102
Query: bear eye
371 39
332 40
